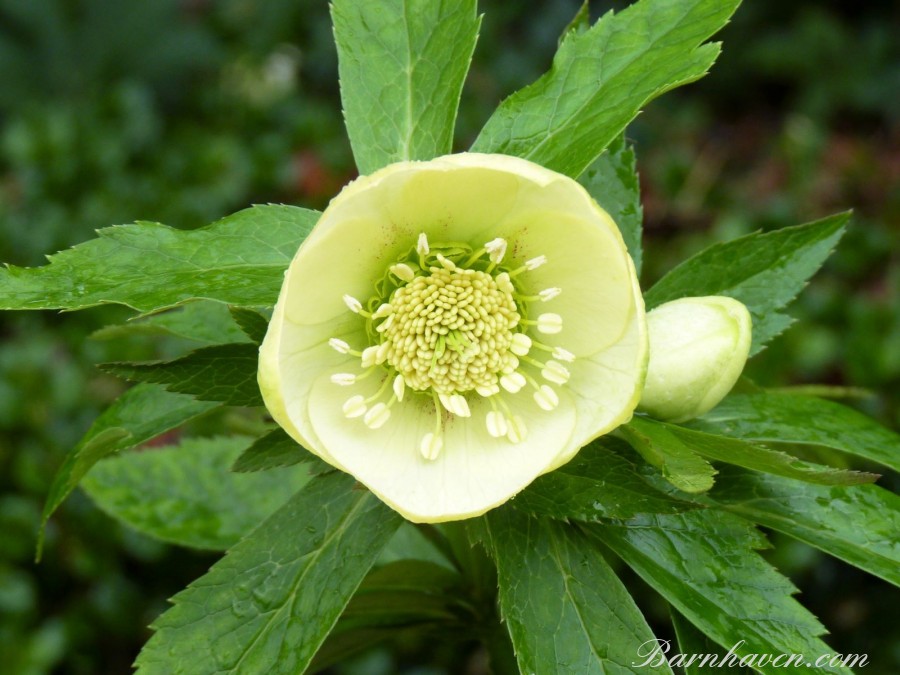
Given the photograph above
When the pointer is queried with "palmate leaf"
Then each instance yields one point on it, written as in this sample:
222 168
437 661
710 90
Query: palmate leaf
704 563
788 418
186 495
764 271
602 77
859 524
601 482
225 373
238 260
741 453
612 181
137 416
402 65
271 601
566 610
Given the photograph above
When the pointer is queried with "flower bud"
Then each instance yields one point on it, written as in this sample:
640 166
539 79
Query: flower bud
698 348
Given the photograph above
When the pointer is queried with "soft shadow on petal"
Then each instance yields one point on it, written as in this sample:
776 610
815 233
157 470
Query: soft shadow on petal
474 472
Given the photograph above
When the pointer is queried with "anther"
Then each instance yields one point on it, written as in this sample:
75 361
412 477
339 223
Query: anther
383 310
456 404
403 272
520 344
555 372
549 293
516 430
431 446
529 265
496 424
377 415
399 387
487 390
563 355
355 406
339 346
369 356
513 382
549 323
496 249
448 265
460 405
353 304
344 379
504 283
422 245
546 398
384 325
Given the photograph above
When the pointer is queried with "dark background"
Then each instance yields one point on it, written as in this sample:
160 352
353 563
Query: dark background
182 111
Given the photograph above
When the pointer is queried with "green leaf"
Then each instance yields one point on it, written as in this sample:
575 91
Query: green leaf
200 321
252 323
742 453
407 592
788 418
566 610
600 80
275 449
579 23
225 373
402 595
858 524
765 271
679 464
417 542
704 563
238 260
612 181
692 643
601 482
271 601
137 416
402 65
186 495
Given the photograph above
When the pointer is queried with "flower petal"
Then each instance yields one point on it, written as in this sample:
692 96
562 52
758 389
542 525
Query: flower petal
607 386
474 471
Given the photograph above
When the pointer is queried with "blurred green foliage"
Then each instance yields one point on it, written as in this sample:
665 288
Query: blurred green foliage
182 111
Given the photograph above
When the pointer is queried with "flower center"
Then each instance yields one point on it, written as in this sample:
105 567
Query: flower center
451 331
447 321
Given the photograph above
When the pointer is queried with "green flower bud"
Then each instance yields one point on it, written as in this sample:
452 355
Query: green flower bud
698 348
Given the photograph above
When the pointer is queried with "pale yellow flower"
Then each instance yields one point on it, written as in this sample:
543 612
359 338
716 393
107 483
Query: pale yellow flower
698 348
452 329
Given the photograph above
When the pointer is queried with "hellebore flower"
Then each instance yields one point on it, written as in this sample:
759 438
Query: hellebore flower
698 348
452 329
